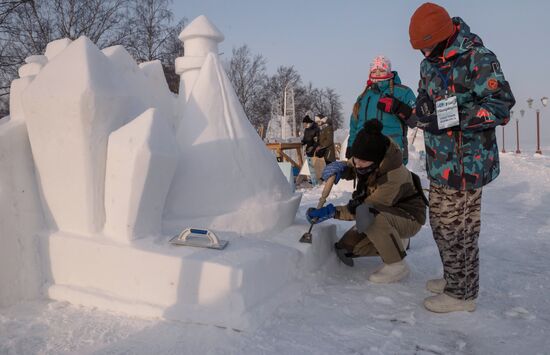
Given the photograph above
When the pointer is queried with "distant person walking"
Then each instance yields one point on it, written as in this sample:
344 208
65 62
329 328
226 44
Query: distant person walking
386 100
462 97
310 140
326 148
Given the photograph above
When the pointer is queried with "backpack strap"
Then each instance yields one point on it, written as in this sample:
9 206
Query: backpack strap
419 191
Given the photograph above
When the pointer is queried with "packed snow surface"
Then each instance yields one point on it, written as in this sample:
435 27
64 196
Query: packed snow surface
343 313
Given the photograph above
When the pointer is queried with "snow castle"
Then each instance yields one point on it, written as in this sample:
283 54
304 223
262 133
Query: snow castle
100 164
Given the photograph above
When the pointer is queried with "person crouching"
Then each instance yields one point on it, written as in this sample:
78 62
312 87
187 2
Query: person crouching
388 205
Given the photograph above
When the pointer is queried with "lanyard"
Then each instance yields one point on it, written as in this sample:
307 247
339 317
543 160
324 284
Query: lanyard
446 78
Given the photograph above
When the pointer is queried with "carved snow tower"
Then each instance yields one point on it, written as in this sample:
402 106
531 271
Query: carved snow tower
226 178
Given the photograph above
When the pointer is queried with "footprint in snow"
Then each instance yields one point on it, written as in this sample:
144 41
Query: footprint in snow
383 300
519 312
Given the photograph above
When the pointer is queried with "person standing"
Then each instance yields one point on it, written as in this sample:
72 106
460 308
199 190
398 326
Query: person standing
326 148
386 100
311 141
462 97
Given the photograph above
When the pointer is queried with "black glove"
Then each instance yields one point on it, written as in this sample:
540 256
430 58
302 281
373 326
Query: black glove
390 104
357 198
353 204
424 104
348 153
426 118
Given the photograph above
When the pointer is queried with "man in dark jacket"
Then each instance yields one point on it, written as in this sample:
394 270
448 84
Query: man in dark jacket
311 141
463 96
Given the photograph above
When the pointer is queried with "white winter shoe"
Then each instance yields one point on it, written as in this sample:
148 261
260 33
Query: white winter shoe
444 303
390 273
436 285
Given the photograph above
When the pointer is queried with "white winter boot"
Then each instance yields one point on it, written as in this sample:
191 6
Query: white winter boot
390 273
444 303
436 285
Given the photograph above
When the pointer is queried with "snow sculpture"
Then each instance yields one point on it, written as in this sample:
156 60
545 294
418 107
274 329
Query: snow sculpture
141 162
226 177
158 91
100 165
71 107
200 37
55 47
21 218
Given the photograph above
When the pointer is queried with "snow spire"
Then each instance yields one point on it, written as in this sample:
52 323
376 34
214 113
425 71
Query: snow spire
201 37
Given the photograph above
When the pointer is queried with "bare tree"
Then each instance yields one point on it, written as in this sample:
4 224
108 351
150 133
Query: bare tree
26 28
152 31
153 35
7 7
334 108
144 26
247 73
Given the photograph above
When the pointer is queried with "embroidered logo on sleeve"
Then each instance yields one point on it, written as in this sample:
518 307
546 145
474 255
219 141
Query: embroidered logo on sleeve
492 84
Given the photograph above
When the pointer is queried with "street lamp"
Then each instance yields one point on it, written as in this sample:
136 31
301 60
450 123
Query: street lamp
503 144
517 130
530 102
538 133
544 101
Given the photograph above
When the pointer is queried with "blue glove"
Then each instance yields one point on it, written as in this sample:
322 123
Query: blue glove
318 215
335 168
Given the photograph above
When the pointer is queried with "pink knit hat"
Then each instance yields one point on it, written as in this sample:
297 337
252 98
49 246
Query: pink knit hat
382 63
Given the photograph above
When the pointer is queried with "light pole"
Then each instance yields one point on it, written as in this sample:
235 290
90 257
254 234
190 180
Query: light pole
522 112
503 144
538 133
544 102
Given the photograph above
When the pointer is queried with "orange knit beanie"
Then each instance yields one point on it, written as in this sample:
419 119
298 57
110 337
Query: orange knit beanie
430 24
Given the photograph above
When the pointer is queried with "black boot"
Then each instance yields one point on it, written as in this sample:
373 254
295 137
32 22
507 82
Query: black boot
345 256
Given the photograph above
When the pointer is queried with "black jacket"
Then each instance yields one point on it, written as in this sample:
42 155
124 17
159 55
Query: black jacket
311 139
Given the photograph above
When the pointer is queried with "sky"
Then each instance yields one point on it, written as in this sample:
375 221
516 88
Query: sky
331 43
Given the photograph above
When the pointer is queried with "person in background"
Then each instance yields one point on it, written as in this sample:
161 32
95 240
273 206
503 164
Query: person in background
310 140
326 147
462 76
387 100
388 204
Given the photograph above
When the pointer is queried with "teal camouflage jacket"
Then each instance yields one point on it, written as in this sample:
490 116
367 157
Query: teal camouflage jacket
466 157
393 126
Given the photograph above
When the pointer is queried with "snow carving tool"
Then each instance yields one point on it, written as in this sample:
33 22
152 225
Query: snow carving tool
201 238
307 237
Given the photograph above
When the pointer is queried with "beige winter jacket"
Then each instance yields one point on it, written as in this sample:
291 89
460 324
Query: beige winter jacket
390 189
326 142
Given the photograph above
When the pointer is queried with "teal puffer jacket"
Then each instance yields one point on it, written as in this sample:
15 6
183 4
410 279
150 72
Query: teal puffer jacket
393 126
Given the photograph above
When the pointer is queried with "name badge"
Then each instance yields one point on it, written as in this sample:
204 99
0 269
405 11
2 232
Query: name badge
447 113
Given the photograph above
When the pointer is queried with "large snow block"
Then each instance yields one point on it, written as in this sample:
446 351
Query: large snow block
141 161
21 217
16 89
225 170
238 287
71 107
149 89
54 48
158 90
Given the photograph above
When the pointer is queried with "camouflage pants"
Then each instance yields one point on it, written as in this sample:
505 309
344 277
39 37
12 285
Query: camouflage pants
455 218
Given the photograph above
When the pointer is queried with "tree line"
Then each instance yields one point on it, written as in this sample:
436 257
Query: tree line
149 31
146 28
258 92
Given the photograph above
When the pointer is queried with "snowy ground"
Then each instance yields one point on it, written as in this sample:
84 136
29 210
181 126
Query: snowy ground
342 313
